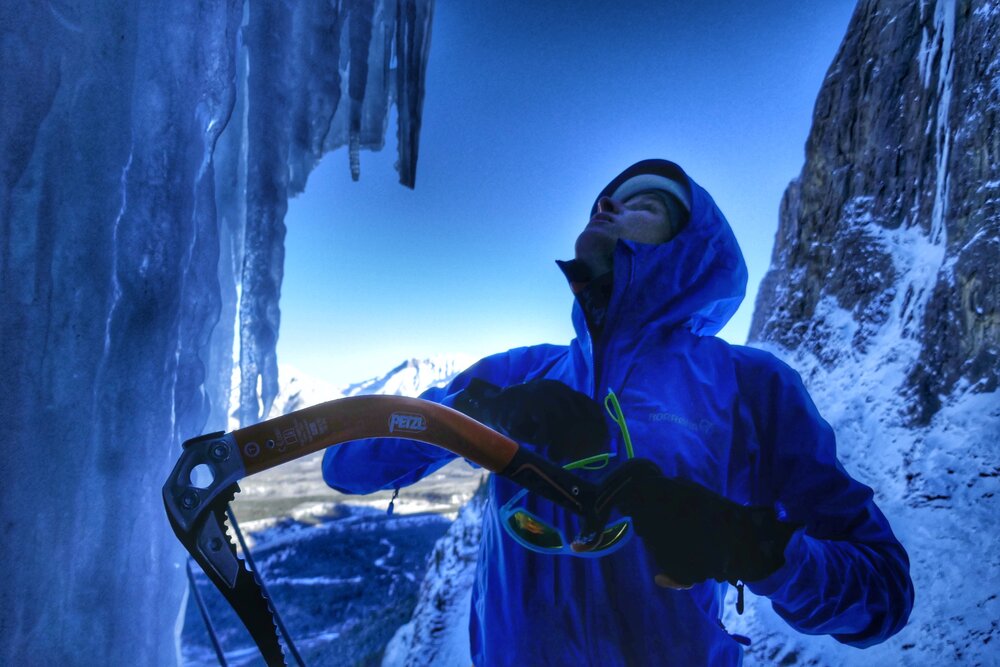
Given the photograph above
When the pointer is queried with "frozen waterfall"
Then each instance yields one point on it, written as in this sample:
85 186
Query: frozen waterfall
148 153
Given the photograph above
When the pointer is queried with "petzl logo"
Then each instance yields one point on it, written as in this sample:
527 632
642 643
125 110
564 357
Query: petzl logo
407 421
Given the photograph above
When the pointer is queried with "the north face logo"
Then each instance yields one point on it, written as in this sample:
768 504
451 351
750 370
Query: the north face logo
702 426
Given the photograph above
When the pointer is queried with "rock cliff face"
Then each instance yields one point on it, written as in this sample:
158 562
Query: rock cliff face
894 218
883 293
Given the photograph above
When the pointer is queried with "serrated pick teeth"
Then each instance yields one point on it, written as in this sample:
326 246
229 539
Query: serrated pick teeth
249 611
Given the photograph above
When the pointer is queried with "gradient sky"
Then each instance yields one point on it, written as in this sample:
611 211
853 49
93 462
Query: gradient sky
531 107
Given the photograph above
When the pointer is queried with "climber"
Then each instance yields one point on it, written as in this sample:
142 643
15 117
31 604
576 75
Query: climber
749 492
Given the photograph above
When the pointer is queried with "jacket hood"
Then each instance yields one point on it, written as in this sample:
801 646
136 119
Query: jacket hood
696 280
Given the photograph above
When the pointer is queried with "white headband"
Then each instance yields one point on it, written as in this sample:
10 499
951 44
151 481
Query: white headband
643 182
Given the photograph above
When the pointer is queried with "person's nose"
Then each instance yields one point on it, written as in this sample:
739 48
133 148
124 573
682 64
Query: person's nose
608 205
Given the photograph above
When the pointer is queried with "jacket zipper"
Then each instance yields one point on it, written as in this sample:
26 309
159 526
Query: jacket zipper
597 348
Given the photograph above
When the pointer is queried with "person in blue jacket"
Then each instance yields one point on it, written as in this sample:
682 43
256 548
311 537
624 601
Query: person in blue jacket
751 491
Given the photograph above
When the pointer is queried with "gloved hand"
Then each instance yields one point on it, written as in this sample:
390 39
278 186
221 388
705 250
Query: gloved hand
547 413
696 534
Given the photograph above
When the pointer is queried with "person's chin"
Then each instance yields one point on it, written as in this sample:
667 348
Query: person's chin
595 240
597 237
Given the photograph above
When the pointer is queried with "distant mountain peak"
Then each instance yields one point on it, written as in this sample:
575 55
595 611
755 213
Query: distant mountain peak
298 389
412 377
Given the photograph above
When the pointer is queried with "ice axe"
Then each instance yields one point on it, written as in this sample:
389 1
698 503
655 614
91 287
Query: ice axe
205 479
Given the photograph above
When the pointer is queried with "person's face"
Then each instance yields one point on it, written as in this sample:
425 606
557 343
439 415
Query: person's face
642 218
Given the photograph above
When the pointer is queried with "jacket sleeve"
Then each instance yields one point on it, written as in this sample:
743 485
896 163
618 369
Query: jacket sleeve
845 573
366 466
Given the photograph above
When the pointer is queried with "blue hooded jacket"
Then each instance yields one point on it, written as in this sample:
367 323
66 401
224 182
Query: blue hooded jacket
734 419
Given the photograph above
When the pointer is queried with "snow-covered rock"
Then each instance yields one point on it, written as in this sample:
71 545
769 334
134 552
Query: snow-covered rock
883 293
438 633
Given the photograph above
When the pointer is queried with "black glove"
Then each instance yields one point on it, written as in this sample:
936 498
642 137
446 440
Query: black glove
696 534
547 413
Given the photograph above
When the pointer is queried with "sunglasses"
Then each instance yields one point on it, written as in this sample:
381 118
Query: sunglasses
538 535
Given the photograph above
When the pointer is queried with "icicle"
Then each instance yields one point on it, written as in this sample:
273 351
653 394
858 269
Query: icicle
360 34
413 40
268 141
354 151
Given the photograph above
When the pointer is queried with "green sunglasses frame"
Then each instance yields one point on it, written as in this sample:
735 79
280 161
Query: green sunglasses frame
613 537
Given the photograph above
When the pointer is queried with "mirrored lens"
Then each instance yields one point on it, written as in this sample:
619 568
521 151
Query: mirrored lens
611 536
533 531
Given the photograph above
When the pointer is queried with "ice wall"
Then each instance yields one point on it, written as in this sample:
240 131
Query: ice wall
148 152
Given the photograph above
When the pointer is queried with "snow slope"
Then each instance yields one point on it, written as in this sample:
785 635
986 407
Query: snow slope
437 635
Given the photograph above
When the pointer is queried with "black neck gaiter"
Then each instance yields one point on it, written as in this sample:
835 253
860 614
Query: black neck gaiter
594 294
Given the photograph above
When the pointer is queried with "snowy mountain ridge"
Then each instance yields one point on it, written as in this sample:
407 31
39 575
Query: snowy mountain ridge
412 377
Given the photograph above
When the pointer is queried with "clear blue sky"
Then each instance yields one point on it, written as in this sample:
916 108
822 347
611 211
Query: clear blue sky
531 107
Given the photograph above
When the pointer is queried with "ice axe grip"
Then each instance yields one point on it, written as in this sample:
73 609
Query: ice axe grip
299 433
305 431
